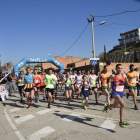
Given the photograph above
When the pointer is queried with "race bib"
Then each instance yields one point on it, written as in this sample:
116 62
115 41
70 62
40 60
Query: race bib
106 84
51 85
119 88
36 81
133 80
67 85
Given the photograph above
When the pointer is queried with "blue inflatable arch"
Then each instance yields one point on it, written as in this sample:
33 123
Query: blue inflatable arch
24 61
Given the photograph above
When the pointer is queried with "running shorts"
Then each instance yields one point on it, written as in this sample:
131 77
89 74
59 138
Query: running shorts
86 93
28 89
133 87
116 93
105 88
50 90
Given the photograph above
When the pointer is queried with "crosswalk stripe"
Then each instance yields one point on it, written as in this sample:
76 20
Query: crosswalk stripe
70 117
13 110
108 124
24 118
41 133
19 135
44 111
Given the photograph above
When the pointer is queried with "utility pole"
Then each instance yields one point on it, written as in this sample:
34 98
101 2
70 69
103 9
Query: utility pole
93 46
125 45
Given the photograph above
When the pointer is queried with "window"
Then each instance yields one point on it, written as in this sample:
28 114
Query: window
131 35
122 42
130 39
126 36
134 38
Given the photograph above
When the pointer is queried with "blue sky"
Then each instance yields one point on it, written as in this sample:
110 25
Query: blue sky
29 28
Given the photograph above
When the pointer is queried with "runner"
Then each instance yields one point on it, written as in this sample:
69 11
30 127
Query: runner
105 84
118 92
78 83
86 86
20 86
133 80
37 80
50 79
55 86
68 87
60 82
28 80
42 85
73 76
93 84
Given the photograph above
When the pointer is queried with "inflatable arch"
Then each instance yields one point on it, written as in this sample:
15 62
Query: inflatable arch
38 60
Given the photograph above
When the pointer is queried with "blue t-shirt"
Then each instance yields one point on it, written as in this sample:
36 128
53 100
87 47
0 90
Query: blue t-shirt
28 79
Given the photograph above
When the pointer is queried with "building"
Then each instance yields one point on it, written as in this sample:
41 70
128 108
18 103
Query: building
130 36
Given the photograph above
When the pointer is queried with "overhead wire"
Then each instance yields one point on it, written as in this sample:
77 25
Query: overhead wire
75 40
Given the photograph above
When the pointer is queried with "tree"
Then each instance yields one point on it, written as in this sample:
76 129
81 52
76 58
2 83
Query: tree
0 69
105 55
135 55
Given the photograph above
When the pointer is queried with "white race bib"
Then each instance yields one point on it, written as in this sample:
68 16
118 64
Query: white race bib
51 85
67 85
133 80
106 84
36 81
119 88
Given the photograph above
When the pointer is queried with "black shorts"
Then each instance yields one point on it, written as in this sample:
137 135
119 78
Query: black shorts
42 87
38 87
93 88
20 88
50 90
29 89
68 88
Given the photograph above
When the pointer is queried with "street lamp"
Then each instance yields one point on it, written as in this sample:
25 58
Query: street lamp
50 56
92 19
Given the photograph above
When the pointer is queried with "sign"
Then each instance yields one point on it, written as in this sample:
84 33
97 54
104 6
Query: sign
94 58
94 62
108 62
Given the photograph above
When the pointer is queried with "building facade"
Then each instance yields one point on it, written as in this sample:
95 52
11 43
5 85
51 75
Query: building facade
130 36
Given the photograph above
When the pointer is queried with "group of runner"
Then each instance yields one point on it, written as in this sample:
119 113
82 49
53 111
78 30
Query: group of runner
80 84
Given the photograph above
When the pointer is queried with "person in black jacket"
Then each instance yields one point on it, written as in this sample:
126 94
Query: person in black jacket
4 81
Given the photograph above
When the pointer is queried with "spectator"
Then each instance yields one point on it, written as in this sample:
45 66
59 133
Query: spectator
137 70
4 81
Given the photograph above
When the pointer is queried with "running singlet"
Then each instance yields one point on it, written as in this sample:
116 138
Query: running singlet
93 80
79 80
73 78
49 81
68 82
37 81
118 84
85 86
132 78
104 79
19 83
42 77
28 79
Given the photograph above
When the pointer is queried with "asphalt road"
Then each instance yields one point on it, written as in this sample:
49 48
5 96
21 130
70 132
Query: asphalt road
63 122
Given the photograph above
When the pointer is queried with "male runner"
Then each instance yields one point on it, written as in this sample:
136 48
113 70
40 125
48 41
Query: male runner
37 85
118 92
29 89
93 84
50 79
133 80
105 84
73 76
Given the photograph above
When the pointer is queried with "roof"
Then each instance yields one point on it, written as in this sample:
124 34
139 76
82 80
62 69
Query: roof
130 31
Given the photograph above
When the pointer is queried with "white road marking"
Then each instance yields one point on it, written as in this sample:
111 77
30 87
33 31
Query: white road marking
44 111
13 110
24 118
13 126
133 122
70 117
108 124
19 135
41 133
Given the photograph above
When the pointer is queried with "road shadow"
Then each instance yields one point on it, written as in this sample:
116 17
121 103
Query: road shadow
79 120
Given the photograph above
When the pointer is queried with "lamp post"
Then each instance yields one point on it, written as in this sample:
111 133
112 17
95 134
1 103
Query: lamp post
50 56
92 27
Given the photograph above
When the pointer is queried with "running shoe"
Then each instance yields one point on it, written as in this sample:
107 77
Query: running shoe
49 106
105 108
37 101
100 94
77 98
21 100
31 102
85 107
28 107
136 107
55 98
121 124
72 97
64 94
83 101
43 98
127 95
97 103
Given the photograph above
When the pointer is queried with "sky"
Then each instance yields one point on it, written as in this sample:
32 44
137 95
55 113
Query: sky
36 28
